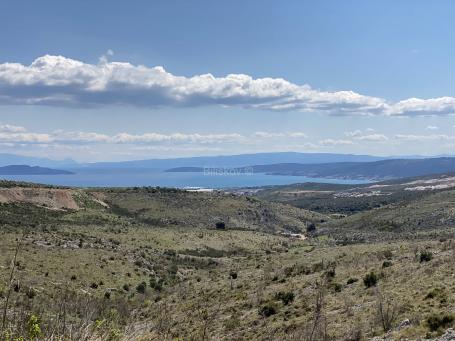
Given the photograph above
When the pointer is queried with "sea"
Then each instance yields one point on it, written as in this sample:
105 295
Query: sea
90 177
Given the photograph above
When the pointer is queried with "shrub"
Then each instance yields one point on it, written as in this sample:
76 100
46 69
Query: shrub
94 285
285 297
337 287
311 227
388 254
436 322
33 327
330 273
267 310
157 285
425 256
352 280
370 279
386 264
126 287
220 225
233 274
30 293
141 287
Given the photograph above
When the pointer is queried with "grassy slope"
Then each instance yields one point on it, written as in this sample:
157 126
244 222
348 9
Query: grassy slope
181 208
432 215
66 252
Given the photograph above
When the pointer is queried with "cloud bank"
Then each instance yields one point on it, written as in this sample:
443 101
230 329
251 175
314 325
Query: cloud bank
19 135
61 81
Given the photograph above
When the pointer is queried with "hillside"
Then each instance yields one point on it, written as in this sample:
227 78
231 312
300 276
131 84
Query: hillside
376 170
432 213
349 199
150 264
167 207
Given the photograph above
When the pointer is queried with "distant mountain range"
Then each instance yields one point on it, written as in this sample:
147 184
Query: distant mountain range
322 165
30 170
377 170
13 159
237 160
199 161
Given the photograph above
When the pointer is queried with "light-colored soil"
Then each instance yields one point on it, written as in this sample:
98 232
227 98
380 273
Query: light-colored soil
50 198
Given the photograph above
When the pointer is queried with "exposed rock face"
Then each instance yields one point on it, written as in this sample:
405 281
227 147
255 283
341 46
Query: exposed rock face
52 198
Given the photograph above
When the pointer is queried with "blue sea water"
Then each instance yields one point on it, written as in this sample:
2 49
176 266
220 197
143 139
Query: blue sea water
150 177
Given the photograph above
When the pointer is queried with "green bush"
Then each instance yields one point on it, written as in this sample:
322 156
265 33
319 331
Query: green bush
285 297
386 264
156 284
388 254
33 327
370 279
267 310
311 227
220 225
233 274
30 293
352 280
425 256
330 273
436 322
337 287
141 287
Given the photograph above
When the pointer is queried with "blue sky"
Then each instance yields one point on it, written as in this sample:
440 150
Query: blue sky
318 76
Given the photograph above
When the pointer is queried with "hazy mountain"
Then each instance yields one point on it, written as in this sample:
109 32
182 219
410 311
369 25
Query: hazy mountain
13 159
238 160
377 170
384 169
30 170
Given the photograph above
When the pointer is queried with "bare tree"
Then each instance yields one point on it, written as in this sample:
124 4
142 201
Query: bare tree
10 283
318 328
387 310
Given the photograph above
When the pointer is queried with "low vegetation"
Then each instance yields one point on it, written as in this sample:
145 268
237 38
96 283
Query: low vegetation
160 264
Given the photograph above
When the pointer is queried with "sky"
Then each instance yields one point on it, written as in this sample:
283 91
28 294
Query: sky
108 81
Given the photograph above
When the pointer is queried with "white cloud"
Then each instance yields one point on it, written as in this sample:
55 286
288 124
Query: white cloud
56 80
263 134
424 107
19 135
430 127
334 142
61 81
432 137
7 128
366 135
373 137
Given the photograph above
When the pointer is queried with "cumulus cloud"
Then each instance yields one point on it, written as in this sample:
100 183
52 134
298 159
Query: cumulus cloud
57 80
61 81
423 107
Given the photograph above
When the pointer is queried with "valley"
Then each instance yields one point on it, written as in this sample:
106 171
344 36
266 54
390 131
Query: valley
152 263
